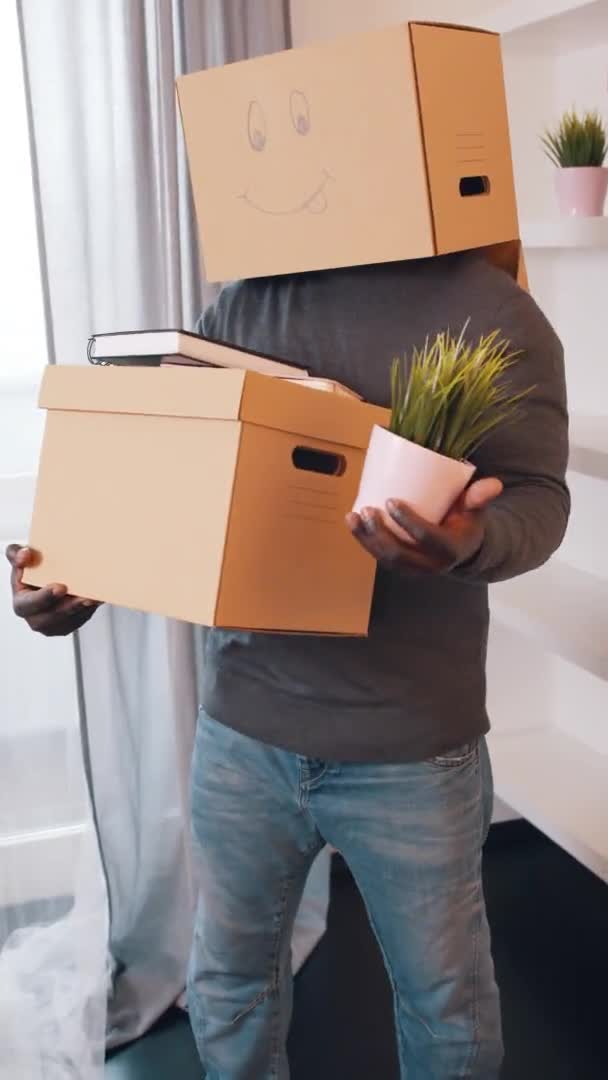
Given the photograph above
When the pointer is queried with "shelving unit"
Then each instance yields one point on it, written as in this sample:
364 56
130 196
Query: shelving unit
589 445
563 609
559 784
573 232
571 23
548 663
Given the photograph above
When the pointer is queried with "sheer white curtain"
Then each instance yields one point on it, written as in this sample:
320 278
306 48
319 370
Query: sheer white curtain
53 903
119 251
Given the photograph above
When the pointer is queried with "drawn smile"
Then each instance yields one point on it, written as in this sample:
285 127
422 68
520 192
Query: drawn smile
314 204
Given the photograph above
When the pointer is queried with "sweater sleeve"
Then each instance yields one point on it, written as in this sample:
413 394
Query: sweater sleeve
526 525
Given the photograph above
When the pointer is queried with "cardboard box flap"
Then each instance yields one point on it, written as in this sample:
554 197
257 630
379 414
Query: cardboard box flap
149 391
275 403
454 26
188 393
465 128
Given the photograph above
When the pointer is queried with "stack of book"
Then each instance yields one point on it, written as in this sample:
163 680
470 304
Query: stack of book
169 348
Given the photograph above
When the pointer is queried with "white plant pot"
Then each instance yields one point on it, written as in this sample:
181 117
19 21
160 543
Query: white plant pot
396 468
581 192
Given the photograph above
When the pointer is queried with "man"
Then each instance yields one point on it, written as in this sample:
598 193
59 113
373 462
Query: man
374 746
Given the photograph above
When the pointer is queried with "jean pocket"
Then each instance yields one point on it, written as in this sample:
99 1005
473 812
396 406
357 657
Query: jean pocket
460 755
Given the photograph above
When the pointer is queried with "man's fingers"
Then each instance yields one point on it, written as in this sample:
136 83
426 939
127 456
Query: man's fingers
31 602
13 553
376 539
52 625
17 557
481 493
20 557
432 538
69 615
382 544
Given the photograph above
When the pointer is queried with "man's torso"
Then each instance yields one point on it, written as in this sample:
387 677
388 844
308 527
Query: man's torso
416 686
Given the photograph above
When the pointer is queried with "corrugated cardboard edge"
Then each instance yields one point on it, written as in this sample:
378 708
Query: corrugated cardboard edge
199 230
453 26
423 143
228 526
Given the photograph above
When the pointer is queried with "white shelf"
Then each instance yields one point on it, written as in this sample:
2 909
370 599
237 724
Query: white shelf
589 445
568 22
562 608
558 784
567 232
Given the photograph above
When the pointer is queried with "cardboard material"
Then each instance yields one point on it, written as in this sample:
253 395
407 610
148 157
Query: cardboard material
376 147
510 258
197 495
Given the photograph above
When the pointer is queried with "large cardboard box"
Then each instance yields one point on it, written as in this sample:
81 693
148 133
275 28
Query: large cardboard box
217 497
380 146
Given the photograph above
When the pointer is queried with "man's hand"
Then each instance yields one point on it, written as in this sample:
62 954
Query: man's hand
49 611
435 549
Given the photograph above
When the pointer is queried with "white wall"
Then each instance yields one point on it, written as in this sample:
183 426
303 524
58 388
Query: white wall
314 20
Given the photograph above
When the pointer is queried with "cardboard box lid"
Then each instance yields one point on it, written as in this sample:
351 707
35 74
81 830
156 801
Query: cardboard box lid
214 395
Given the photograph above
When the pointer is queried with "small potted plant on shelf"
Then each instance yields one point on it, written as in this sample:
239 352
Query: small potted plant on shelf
443 406
578 147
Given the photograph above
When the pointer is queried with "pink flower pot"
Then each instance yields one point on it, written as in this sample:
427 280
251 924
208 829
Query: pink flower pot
581 192
396 468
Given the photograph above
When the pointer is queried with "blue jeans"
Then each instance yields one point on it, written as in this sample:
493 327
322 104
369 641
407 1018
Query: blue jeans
412 837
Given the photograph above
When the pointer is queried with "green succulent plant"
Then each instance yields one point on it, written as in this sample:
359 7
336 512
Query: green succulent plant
454 393
577 141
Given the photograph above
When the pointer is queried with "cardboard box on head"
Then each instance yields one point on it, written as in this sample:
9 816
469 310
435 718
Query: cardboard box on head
373 148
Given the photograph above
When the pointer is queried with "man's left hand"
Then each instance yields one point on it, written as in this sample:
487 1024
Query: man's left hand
434 549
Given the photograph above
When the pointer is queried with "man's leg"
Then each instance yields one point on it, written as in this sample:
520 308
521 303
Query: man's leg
412 836
253 845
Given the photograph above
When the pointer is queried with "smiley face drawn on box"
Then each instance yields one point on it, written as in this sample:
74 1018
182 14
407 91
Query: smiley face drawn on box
349 152
315 199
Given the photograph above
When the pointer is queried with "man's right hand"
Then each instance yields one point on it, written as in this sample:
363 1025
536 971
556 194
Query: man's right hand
49 611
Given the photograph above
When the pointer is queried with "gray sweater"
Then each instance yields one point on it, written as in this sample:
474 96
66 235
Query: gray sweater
416 686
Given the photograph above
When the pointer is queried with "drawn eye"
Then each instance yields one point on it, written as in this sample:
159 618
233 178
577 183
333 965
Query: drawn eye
300 112
256 126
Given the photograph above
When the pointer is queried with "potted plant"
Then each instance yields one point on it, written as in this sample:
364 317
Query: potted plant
578 147
443 406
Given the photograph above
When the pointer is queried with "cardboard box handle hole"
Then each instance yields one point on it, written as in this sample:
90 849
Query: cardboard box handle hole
308 459
474 185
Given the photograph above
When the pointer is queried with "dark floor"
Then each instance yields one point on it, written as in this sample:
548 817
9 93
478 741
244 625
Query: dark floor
550 927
